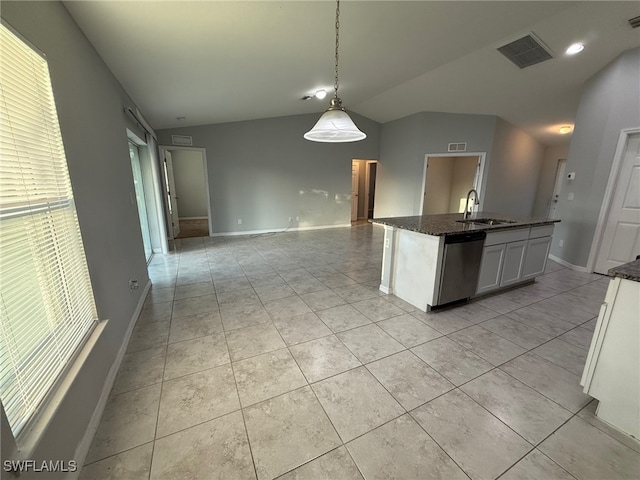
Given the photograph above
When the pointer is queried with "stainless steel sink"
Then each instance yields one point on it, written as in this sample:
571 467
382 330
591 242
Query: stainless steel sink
486 221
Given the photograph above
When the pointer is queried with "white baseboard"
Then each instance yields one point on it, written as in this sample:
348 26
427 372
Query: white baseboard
386 290
292 229
564 263
193 218
83 447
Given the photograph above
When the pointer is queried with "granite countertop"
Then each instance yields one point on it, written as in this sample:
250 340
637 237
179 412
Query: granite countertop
448 224
628 271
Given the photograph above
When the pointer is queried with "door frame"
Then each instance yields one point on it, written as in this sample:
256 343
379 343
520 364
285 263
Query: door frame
477 181
203 151
561 167
367 181
354 198
616 165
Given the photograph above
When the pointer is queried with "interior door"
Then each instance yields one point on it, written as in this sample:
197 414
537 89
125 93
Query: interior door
172 198
354 191
621 239
553 206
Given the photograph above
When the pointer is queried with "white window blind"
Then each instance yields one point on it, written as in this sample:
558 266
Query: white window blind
46 307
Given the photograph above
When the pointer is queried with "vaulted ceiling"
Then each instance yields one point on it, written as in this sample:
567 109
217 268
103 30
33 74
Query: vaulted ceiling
214 62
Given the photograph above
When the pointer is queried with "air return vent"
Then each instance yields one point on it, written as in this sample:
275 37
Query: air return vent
634 22
457 147
525 51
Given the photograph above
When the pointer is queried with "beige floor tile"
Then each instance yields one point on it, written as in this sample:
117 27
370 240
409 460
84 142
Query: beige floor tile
288 431
408 330
252 341
377 309
133 464
445 321
194 290
369 343
401 449
516 332
323 358
195 355
356 403
140 369
554 382
155 312
541 320
323 299
286 307
337 464
526 411
274 292
242 316
478 442
452 361
342 318
215 450
564 354
148 335
588 453
129 420
536 466
266 376
493 348
588 414
301 328
194 326
411 381
196 398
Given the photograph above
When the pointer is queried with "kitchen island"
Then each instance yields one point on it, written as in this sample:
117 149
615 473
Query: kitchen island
612 370
428 259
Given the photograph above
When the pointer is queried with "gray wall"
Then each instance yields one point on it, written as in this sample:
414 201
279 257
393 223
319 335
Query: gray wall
188 173
403 145
512 171
547 178
89 102
610 102
264 171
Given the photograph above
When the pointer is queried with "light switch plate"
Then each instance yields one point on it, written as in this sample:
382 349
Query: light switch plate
570 197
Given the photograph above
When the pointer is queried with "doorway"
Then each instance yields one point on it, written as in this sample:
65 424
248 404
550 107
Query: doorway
363 189
187 192
557 188
619 228
447 180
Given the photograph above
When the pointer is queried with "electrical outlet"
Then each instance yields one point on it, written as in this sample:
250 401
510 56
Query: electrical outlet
133 284
561 243
297 219
239 221
570 196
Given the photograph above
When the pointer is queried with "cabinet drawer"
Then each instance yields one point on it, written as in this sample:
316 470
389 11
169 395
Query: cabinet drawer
541 231
506 236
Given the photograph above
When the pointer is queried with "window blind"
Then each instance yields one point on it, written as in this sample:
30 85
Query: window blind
46 301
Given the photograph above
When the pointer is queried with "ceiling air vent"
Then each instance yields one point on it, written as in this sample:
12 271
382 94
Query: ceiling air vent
526 51
183 140
457 147
634 22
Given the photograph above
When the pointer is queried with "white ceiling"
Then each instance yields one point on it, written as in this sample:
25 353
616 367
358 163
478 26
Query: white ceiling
214 62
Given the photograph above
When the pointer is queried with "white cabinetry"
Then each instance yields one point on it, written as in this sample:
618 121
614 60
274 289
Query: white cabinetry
513 256
611 370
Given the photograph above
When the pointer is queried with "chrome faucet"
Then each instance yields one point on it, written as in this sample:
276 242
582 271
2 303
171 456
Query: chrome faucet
466 204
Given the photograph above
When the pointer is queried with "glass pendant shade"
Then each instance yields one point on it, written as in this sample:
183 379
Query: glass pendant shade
335 126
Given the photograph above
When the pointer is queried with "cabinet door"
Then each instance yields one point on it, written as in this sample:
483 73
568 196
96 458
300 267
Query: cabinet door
513 260
490 268
535 260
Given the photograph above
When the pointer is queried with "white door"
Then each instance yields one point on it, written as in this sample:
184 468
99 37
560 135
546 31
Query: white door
553 206
172 198
621 239
354 191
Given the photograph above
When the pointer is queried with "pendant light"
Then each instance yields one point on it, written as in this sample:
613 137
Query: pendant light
335 125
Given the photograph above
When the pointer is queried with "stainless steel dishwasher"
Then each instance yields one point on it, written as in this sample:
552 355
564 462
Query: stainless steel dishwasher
460 266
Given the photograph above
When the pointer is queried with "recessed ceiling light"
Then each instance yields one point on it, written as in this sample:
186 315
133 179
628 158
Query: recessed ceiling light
320 94
575 48
565 129
181 118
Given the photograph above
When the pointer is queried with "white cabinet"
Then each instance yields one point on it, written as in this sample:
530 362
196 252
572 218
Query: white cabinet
535 260
491 268
611 370
513 256
513 260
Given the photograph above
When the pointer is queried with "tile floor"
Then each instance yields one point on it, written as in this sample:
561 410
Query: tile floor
277 356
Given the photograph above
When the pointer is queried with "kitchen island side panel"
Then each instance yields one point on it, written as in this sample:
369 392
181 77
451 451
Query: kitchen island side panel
417 263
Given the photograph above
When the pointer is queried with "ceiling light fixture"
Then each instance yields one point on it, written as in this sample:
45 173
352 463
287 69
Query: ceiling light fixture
575 48
565 129
335 125
321 94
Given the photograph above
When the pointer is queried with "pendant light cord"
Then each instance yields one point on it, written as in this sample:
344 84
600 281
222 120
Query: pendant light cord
335 85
